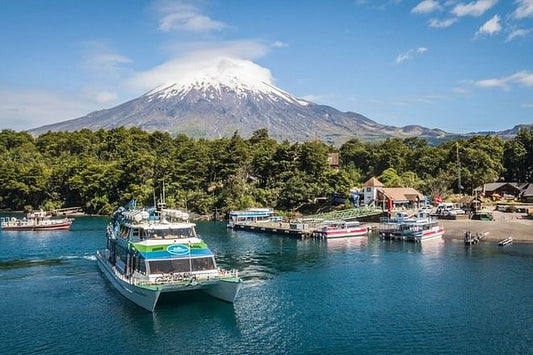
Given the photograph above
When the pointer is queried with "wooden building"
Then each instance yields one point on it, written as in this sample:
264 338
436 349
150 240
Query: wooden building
527 194
376 194
333 161
505 190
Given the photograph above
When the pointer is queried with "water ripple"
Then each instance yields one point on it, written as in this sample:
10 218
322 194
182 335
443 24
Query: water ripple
25 263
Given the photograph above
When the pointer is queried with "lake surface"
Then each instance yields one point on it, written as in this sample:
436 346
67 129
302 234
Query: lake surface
358 295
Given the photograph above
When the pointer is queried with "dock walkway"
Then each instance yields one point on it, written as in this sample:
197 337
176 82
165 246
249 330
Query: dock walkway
305 227
297 230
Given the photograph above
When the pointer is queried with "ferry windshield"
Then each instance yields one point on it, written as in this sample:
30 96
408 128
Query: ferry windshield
181 265
170 233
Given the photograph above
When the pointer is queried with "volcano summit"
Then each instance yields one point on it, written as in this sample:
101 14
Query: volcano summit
235 95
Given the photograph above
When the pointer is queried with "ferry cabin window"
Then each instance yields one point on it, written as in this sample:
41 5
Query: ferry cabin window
121 253
201 264
169 233
181 265
123 232
135 233
139 264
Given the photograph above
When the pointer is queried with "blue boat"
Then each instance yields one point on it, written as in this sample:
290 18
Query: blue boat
252 215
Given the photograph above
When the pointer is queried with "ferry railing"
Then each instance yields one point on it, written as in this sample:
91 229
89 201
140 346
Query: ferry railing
187 277
358 212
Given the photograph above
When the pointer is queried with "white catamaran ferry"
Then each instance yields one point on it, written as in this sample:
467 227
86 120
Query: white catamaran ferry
156 251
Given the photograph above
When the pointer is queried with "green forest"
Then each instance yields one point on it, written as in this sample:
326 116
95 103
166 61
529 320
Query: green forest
101 170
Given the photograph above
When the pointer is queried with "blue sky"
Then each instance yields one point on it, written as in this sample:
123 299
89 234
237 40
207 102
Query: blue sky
456 65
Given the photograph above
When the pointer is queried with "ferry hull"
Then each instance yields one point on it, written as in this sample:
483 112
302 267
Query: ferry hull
429 235
346 233
17 228
37 227
225 290
143 297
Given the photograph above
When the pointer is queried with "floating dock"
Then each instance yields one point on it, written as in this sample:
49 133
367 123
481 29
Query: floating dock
295 230
306 227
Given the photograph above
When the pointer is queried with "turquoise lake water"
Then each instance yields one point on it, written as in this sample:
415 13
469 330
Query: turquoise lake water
349 296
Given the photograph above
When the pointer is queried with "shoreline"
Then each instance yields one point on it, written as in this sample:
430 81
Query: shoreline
504 225
521 230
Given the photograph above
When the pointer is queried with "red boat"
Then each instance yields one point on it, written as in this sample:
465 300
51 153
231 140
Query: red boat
340 229
39 221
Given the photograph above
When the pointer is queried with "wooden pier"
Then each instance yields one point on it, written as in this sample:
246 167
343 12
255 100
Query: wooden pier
295 230
306 227
474 238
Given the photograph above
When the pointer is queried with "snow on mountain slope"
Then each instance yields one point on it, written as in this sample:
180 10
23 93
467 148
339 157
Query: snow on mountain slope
234 95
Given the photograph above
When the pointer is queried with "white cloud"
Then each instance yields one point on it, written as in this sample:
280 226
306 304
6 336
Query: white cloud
426 7
381 5
105 97
524 78
527 105
436 23
246 49
491 27
518 33
23 110
410 54
185 16
524 9
103 60
279 44
474 8
319 98
208 61
461 90
422 99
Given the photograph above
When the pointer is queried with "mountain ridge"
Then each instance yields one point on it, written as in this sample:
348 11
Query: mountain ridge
233 96
216 111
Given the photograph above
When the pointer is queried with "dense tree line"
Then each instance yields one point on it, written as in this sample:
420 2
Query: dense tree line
100 170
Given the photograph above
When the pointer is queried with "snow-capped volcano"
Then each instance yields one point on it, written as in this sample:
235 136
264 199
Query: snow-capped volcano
223 95
240 77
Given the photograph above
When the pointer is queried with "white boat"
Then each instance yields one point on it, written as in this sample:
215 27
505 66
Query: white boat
418 228
252 215
505 241
154 252
340 229
36 221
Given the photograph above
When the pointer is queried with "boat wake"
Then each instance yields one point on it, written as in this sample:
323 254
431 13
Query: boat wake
27 263
90 257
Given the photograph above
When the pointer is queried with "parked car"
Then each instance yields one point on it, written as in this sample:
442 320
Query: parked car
448 209
426 209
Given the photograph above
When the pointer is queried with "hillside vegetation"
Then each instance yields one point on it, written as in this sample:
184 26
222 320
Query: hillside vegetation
100 170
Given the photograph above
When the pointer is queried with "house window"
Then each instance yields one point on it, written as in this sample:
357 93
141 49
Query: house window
368 189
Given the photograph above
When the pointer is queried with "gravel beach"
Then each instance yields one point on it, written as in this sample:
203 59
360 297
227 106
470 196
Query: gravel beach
504 225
